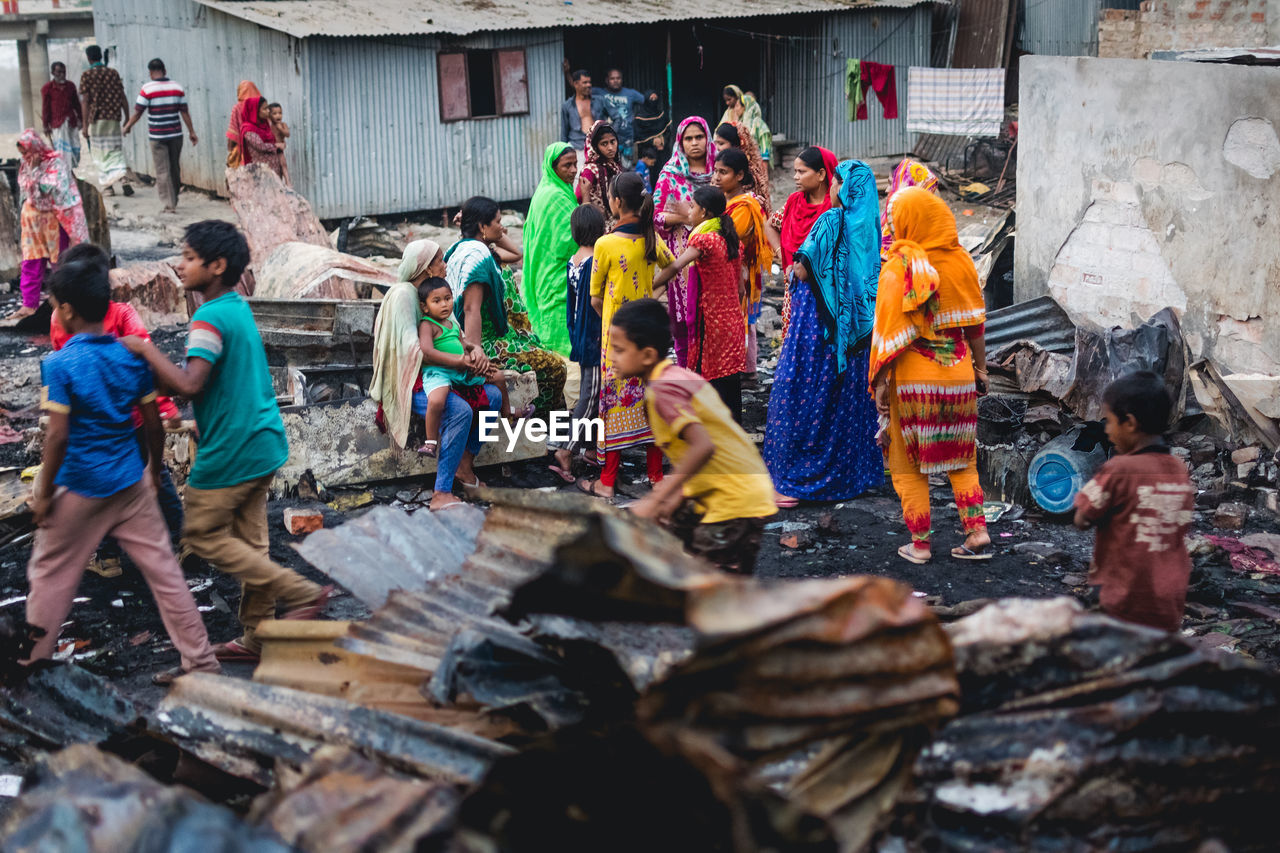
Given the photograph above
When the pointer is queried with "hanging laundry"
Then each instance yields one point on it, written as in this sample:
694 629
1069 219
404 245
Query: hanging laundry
853 93
880 79
955 101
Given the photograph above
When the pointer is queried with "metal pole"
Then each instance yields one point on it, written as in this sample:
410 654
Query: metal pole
38 59
24 83
671 110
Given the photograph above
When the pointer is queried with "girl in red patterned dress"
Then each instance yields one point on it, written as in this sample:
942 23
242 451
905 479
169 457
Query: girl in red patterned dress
718 350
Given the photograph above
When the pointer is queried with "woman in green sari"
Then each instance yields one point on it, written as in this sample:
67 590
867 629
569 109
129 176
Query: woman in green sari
548 245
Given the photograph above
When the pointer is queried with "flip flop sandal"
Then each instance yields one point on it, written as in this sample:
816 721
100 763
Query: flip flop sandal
591 489
429 448
907 553
312 609
233 651
963 553
562 473
786 503
476 485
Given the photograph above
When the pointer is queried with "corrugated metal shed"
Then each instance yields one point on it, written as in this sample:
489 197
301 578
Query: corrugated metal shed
208 54
306 18
1064 27
381 146
810 65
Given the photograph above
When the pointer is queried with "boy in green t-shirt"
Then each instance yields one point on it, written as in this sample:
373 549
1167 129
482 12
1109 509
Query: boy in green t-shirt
241 436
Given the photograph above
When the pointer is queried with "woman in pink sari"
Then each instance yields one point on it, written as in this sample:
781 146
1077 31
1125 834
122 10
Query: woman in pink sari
691 166
52 215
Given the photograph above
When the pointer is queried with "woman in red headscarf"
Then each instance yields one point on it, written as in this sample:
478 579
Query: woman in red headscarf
244 92
790 224
257 142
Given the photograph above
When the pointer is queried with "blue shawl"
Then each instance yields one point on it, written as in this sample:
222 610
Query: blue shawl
842 255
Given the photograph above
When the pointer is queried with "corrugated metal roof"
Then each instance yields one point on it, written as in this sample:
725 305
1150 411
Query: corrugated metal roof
306 18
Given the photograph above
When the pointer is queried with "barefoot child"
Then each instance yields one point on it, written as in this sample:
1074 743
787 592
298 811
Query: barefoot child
1141 501
587 225
718 494
444 356
242 440
718 348
622 271
93 480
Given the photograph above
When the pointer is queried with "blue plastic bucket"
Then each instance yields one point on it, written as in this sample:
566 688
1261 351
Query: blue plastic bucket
1058 473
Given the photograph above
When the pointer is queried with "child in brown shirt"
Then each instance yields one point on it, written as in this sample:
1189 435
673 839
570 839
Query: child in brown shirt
1141 501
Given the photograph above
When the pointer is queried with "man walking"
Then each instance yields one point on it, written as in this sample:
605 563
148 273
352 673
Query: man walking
620 105
580 112
164 101
105 108
60 108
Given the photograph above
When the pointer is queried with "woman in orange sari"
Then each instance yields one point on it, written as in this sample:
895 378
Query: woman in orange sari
733 176
244 92
928 367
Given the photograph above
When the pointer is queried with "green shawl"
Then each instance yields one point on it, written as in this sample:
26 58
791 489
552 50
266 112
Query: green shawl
548 245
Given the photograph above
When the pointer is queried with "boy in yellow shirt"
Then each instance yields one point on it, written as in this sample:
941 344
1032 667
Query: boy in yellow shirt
719 494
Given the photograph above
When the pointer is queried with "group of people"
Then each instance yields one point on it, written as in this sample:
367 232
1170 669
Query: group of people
882 359
102 471
257 132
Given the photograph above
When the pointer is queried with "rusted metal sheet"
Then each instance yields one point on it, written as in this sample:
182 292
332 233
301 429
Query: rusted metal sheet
985 32
88 801
243 728
341 802
1078 726
61 705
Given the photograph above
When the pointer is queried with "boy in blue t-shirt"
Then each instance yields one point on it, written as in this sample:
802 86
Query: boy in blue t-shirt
242 440
93 478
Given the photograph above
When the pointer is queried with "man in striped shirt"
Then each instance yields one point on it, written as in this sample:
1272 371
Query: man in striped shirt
165 102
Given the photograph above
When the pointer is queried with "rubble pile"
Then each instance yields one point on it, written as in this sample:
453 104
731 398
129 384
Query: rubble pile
1079 731
559 669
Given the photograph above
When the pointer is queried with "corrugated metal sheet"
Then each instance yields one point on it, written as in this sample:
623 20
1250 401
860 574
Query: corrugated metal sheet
1040 320
305 18
982 33
1064 27
380 146
208 53
806 101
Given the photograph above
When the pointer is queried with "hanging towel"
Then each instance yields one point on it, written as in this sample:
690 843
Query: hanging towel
853 93
955 101
881 80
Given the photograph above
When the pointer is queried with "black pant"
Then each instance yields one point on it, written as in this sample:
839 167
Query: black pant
730 390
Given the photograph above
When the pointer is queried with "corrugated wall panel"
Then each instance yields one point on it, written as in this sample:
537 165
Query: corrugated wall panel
209 54
807 103
382 148
1064 27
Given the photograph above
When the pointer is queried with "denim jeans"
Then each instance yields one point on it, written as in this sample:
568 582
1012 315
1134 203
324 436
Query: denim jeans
459 432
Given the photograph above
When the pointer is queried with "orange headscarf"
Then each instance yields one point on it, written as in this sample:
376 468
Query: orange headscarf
928 281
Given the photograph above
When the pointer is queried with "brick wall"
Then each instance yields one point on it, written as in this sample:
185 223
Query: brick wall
1181 25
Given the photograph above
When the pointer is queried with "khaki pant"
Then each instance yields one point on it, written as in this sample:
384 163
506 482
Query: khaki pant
72 532
166 153
228 527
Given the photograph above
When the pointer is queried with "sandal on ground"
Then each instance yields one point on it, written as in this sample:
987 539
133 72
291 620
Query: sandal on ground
166 677
429 448
963 552
562 473
784 502
908 553
233 650
312 609
589 487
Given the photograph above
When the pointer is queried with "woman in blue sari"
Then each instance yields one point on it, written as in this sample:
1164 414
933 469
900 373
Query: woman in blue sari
819 441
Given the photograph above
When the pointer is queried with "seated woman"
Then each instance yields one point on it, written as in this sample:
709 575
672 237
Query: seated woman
397 366
494 315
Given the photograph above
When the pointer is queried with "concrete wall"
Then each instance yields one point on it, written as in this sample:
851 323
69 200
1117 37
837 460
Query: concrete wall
1185 25
1144 184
